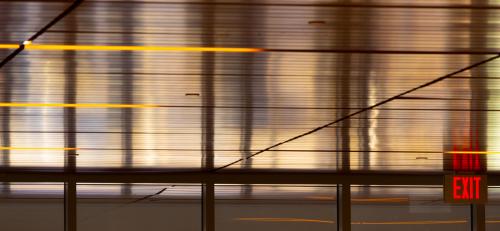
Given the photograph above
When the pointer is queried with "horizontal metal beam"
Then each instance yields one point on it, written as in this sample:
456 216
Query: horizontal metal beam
238 177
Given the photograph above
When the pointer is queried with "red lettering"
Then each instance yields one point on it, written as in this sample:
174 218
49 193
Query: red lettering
465 190
456 187
477 165
456 162
477 179
471 187
465 162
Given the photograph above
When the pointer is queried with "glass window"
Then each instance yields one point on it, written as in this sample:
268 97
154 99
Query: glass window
492 209
32 206
275 207
408 208
139 207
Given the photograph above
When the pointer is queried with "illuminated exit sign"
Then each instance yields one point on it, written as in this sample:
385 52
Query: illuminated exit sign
469 189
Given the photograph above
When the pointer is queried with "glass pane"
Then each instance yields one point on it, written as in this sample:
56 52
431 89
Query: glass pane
275 207
493 209
32 206
408 208
139 207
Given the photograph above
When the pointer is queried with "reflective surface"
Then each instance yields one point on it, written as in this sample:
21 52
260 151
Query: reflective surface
405 207
32 206
275 207
138 207
325 60
402 67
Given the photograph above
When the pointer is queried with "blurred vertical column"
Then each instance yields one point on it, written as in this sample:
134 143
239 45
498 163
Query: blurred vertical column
6 80
343 82
207 94
6 96
250 22
207 82
479 100
70 91
127 92
343 89
362 87
471 135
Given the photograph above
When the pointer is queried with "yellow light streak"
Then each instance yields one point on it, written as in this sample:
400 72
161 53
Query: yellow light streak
326 198
128 48
37 149
269 219
393 200
389 199
408 222
473 152
9 46
428 222
80 105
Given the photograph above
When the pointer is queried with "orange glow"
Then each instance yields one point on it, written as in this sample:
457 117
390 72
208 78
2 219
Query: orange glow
270 219
390 199
128 48
326 198
408 222
437 222
37 149
81 105
395 199
473 152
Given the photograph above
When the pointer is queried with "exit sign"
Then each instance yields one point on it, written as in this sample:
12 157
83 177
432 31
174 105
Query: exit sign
468 189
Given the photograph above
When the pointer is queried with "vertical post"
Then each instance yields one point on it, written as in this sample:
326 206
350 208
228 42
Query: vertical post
6 96
478 217
6 79
208 216
207 81
127 97
70 155
208 64
70 205
478 103
70 141
207 91
343 84
249 21
343 207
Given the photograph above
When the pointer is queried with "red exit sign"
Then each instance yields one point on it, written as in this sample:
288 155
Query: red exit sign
470 189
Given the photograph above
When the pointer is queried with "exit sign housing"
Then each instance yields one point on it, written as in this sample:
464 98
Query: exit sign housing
466 189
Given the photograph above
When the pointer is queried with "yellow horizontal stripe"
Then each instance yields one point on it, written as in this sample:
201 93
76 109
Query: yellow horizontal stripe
396 199
264 219
37 149
127 48
9 46
408 222
473 152
428 222
390 199
80 105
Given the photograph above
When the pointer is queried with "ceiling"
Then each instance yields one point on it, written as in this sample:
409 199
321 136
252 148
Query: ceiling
276 109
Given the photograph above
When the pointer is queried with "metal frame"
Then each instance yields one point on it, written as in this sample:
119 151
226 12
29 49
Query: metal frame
344 207
210 179
237 177
71 177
